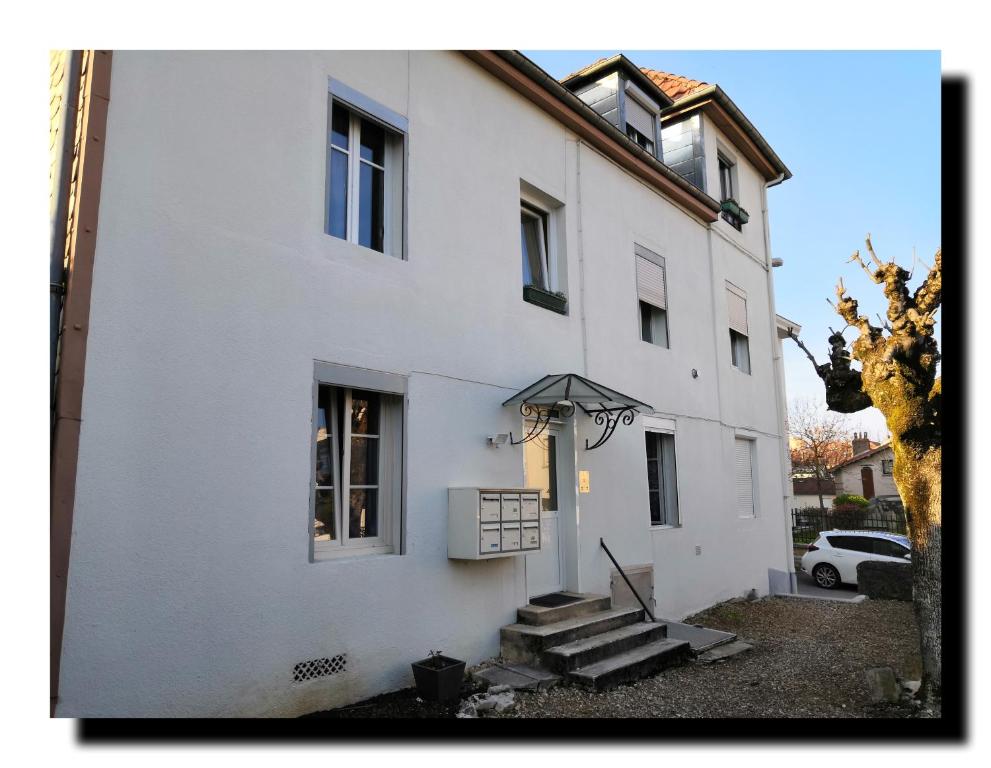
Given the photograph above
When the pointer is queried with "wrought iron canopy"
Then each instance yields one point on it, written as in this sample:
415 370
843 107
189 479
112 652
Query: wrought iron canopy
562 392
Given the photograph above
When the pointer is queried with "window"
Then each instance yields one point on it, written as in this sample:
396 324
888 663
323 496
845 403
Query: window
662 479
639 124
365 175
852 543
736 308
887 466
540 466
652 295
744 455
533 237
889 548
357 498
541 236
731 210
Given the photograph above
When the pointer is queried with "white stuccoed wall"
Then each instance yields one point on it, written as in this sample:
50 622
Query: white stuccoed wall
190 590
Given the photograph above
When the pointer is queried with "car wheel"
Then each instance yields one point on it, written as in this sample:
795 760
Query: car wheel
826 576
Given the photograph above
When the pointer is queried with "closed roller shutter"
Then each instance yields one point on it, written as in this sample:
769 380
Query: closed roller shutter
639 118
736 307
650 282
744 478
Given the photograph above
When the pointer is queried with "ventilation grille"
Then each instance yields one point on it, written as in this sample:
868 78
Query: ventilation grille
310 670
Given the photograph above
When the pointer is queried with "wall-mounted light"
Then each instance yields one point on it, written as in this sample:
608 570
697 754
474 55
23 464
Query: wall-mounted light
777 262
497 440
695 373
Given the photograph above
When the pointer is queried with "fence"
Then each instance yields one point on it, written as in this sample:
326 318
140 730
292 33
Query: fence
806 523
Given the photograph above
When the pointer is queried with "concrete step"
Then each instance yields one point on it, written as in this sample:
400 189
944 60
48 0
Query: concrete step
526 642
631 665
538 615
700 638
587 650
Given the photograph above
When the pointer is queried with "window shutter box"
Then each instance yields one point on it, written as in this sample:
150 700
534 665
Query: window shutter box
650 283
736 307
553 301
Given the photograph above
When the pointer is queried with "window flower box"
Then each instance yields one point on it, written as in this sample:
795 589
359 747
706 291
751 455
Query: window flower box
438 677
735 212
555 302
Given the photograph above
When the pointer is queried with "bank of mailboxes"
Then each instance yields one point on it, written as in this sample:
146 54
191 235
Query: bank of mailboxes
483 523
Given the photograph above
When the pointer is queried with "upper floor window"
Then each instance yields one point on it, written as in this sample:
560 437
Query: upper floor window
639 124
543 267
652 296
365 165
736 309
731 210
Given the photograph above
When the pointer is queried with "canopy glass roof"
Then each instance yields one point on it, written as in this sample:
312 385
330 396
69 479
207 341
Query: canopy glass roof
554 388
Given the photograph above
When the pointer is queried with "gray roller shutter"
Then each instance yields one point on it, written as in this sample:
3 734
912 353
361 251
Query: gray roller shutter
651 283
736 307
639 118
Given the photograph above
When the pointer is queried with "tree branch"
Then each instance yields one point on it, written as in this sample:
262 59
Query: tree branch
929 295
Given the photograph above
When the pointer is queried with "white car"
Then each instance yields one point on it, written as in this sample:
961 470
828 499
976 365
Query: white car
832 558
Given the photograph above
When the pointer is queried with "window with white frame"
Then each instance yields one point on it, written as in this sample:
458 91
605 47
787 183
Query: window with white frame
358 470
533 236
744 461
365 161
726 186
652 296
736 309
731 210
662 478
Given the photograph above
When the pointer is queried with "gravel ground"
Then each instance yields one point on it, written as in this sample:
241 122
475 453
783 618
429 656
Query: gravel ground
809 660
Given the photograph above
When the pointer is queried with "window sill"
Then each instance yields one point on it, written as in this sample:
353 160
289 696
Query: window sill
350 553
541 298
655 346
653 528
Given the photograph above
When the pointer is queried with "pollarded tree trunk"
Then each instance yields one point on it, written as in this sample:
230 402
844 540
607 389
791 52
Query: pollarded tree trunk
898 377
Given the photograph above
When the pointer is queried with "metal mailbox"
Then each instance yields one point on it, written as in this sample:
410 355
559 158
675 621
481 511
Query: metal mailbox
483 523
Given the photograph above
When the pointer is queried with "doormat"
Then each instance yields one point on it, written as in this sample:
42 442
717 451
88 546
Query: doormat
553 600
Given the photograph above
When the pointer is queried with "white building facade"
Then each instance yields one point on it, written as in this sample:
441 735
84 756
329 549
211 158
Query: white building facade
307 310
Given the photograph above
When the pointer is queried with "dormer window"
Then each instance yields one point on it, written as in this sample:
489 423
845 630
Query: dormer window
639 124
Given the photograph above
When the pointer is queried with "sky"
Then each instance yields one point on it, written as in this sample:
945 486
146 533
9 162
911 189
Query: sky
860 132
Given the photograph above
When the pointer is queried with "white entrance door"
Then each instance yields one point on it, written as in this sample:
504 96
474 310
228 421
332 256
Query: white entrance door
540 467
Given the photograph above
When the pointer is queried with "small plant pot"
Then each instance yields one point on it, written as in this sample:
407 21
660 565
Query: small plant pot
438 678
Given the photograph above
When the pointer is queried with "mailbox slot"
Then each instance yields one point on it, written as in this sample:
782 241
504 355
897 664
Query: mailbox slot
510 507
489 508
510 537
531 507
531 536
489 540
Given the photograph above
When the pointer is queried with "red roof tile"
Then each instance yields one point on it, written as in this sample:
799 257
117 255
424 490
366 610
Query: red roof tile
675 86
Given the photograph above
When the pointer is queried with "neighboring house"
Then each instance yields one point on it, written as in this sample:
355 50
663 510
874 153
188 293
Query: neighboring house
806 490
869 472
309 293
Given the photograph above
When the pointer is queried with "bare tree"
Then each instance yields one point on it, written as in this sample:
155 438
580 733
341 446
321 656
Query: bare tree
899 376
821 440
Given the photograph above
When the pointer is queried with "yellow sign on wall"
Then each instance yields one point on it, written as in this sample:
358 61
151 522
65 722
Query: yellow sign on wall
583 481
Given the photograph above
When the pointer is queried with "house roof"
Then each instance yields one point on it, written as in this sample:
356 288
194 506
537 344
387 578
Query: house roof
863 455
598 68
675 86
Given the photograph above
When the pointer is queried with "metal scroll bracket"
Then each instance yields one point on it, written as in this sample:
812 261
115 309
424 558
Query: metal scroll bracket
541 419
608 419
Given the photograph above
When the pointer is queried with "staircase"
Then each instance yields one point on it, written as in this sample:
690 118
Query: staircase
590 643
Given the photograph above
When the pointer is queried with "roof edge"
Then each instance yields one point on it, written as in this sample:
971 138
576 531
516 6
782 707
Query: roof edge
674 187
714 92
594 72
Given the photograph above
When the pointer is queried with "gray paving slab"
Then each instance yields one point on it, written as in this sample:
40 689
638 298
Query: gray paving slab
725 651
699 638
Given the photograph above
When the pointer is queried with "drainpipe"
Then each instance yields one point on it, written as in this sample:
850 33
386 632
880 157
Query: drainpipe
785 458
58 216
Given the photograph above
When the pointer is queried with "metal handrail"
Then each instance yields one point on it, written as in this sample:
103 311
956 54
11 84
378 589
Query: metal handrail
619 568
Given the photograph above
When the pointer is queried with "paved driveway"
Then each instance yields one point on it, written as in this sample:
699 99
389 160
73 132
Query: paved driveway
807 586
